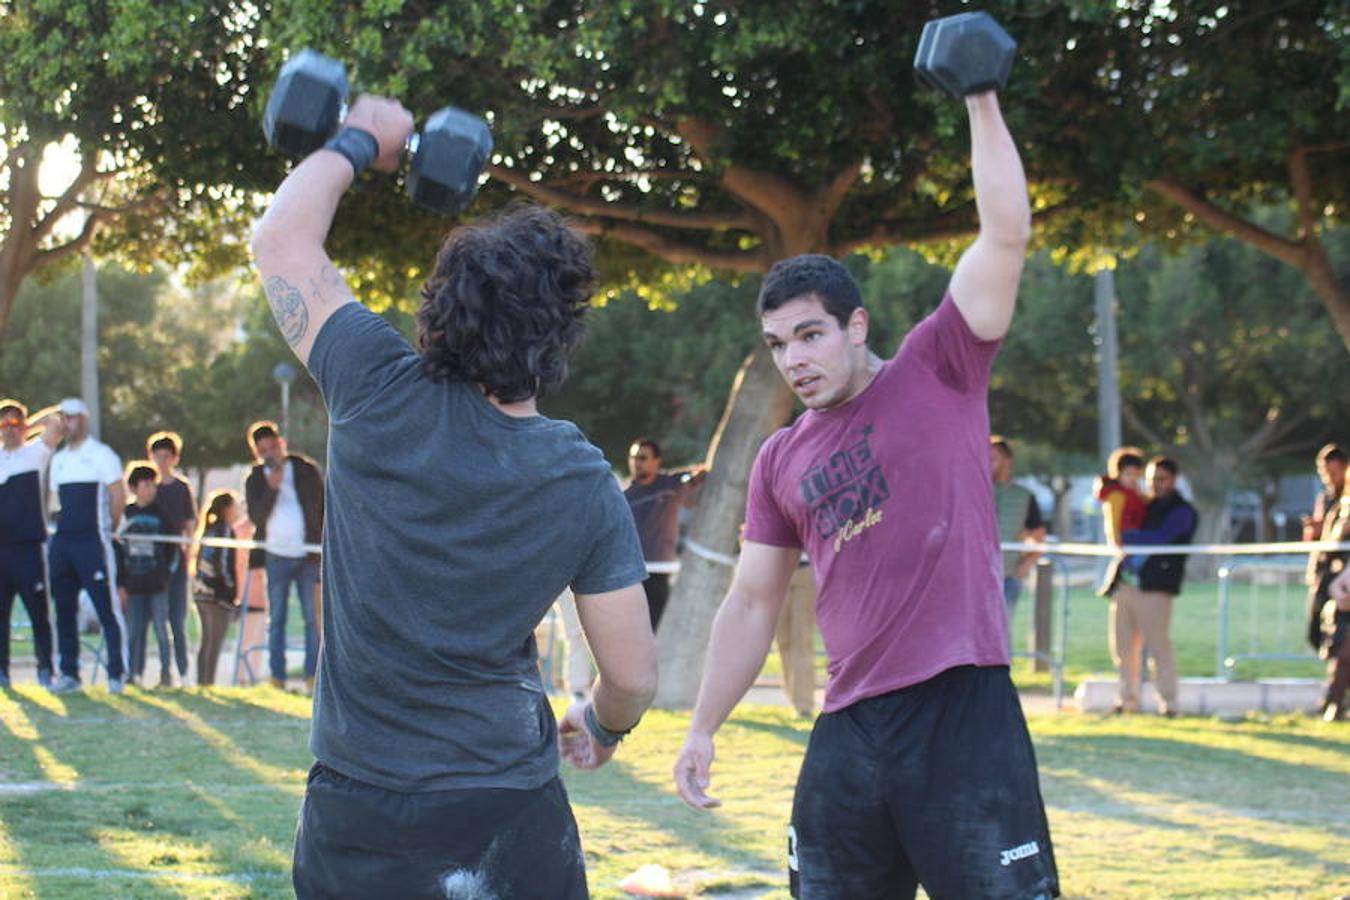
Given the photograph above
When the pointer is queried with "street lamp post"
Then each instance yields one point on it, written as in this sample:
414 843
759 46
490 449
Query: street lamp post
285 373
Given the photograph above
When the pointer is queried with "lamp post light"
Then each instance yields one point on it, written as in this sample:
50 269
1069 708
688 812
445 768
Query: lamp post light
285 373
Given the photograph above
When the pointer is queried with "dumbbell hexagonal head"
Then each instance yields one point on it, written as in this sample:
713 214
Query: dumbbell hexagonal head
964 54
451 153
306 103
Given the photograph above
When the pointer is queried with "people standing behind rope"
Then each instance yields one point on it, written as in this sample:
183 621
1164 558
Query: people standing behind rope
656 497
144 568
1019 519
1122 504
284 492
1327 523
215 588
23 529
86 482
178 506
1146 589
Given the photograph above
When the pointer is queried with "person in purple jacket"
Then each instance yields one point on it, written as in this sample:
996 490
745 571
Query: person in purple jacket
920 771
1148 586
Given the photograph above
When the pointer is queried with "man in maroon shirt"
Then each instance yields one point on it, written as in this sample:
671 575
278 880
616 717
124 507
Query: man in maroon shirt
920 770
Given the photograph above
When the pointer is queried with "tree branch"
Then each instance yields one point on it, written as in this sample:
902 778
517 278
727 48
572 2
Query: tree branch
1274 429
69 200
671 250
1221 220
832 195
74 245
1138 424
624 211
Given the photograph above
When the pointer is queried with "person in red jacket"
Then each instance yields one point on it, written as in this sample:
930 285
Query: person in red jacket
1123 506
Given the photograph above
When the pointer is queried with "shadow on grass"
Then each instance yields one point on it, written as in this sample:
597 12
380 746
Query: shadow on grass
1071 793
129 811
625 796
1137 760
799 734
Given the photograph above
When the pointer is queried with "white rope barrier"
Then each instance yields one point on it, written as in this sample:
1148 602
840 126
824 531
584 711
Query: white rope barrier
1277 548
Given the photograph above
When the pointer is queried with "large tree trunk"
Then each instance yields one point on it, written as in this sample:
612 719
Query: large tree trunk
759 404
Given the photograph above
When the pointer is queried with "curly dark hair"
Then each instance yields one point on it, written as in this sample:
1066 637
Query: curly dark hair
503 308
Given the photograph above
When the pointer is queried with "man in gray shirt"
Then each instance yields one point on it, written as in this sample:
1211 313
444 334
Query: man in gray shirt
436 748
656 498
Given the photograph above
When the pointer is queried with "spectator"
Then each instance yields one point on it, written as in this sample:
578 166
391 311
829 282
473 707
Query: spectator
1327 523
1146 589
284 493
1336 647
1122 504
1331 465
178 506
143 571
86 480
1019 519
23 529
655 497
215 586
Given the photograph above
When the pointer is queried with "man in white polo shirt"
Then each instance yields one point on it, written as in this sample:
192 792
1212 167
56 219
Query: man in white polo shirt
23 529
86 481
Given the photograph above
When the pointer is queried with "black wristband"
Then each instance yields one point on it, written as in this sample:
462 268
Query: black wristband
603 736
357 146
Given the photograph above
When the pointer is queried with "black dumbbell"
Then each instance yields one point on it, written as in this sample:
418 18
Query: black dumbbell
964 54
308 104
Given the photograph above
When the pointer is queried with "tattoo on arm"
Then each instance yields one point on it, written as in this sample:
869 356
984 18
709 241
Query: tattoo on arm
288 308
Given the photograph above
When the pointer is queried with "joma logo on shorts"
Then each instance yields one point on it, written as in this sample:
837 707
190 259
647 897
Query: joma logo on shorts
1008 857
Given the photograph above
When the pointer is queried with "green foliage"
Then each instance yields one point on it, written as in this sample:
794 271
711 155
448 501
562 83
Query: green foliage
197 361
662 373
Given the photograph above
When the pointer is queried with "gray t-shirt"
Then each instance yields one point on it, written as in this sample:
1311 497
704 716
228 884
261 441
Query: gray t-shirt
451 528
656 510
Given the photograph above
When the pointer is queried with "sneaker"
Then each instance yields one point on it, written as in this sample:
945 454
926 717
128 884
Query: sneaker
66 684
44 678
278 683
116 685
166 680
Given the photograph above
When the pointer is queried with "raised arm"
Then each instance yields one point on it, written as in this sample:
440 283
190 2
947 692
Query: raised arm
984 284
741 636
302 284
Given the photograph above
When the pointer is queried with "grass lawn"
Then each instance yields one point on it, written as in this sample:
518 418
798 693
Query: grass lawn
194 794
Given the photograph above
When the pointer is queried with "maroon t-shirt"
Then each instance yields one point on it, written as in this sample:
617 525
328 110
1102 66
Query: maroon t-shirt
890 496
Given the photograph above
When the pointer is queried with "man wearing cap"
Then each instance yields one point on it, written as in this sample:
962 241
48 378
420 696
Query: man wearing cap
86 479
23 529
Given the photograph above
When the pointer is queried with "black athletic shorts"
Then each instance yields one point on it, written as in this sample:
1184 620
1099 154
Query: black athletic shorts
358 840
934 784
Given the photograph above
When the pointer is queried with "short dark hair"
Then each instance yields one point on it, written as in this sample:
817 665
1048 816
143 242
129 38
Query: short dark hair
9 404
164 440
811 274
649 444
1332 452
1124 458
1167 464
503 307
140 471
259 430
997 440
